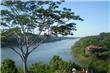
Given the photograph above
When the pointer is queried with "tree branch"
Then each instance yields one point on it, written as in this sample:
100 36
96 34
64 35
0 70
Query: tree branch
38 34
37 45
17 52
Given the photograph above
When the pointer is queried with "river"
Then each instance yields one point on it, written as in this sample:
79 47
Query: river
43 53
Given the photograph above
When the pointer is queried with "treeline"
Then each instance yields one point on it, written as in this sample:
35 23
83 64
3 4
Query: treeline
99 60
9 39
103 40
56 65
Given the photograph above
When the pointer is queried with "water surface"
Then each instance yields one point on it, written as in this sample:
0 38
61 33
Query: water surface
44 52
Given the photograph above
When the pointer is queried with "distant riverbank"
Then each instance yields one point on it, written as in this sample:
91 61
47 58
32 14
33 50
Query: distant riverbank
99 60
12 41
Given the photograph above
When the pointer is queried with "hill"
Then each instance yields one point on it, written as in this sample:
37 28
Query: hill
94 52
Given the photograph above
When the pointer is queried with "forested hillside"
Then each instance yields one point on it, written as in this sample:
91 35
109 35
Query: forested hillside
99 58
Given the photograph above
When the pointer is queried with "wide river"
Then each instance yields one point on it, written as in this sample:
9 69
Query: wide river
44 52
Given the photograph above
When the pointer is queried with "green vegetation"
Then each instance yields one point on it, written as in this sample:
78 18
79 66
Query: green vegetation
98 60
56 65
8 39
8 66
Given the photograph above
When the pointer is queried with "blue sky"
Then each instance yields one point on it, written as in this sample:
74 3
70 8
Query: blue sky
95 15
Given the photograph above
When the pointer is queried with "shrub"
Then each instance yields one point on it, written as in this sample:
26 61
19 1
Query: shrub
98 67
41 68
8 66
56 65
62 66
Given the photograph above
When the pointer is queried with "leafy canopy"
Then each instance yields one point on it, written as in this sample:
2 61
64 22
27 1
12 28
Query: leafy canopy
43 15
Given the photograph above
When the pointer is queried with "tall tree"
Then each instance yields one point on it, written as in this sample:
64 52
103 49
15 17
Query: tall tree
42 18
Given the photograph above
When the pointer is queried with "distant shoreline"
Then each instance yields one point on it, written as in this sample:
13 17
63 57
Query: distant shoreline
52 39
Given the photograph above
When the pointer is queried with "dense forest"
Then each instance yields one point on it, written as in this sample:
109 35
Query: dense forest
8 39
99 59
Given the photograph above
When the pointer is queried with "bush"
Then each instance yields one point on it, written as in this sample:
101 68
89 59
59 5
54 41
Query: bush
41 68
8 66
20 70
56 65
98 67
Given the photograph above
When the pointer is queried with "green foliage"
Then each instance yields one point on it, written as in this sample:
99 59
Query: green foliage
98 60
56 65
102 40
8 37
56 62
20 70
98 67
64 30
33 14
41 68
8 66
108 68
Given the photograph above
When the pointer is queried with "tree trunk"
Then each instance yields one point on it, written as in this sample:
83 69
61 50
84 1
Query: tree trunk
25 65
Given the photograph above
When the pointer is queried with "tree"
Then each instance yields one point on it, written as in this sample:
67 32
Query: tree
8 66
62 66
43 17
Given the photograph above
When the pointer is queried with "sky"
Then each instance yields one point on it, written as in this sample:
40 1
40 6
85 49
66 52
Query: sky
95 14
